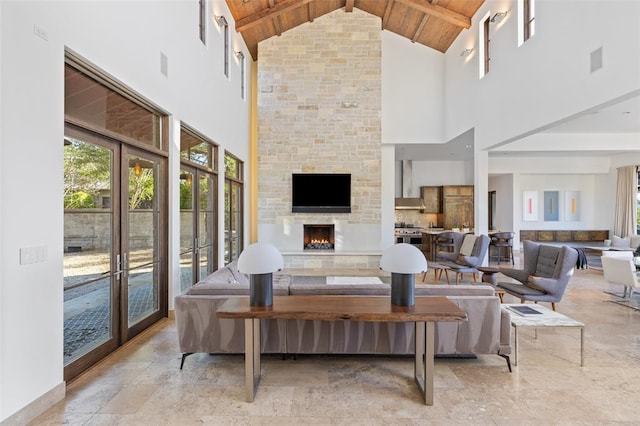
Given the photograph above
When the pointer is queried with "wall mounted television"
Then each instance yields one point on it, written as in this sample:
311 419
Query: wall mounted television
321 193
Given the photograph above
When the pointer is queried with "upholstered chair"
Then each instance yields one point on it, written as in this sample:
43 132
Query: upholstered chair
450 241
468 255
545 274
621 270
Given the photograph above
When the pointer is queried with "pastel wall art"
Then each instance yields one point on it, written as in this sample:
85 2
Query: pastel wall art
572 206
530 206
551 206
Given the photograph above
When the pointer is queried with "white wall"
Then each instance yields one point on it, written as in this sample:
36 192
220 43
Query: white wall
436 173
126 43
412 92
546 79
505 203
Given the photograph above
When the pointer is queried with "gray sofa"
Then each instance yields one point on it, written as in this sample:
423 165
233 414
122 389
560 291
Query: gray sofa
200 331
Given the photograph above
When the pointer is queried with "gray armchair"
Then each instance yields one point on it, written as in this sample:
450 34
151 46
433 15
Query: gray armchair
466 263
545 275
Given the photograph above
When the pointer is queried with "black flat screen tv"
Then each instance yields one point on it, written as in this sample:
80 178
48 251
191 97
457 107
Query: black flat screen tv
321 193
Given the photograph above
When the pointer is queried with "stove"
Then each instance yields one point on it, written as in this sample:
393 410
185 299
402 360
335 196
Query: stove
411 236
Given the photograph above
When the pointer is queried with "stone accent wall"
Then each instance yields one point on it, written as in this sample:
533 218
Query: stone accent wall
319 111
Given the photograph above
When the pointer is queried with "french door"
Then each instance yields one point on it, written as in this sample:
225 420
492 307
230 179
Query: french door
198 234
114 245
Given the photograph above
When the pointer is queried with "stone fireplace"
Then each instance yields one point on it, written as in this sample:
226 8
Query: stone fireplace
317 115
318 237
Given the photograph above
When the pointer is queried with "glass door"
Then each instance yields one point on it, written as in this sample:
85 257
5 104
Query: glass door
142 245
198 234
188 274
207 232
114 237
91 238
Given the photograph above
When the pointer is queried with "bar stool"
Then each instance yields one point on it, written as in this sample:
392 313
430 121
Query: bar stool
501 240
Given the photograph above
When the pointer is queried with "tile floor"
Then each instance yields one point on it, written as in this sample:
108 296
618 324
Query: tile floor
141 383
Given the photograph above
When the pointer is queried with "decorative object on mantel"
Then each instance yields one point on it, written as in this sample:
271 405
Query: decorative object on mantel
260 261
403 261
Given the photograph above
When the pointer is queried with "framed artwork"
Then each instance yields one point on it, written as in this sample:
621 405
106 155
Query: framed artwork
551 206
571 206
529 206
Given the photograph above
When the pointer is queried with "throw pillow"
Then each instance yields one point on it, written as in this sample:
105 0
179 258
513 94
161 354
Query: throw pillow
532 284
462 260
467 245
620 242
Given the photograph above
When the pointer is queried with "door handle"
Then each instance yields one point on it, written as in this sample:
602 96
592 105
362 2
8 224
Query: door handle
118 267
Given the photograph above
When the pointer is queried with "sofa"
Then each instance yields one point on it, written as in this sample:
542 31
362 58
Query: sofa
487 330
628 243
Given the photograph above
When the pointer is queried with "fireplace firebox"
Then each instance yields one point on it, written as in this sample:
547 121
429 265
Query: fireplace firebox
319 237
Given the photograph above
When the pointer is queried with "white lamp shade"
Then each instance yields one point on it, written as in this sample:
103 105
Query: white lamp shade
403 259
260 258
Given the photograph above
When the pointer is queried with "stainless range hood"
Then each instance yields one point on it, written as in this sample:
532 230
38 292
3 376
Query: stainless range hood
407 202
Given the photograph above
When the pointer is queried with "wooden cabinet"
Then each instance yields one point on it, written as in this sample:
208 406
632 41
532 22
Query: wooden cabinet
563 236
432 198
457 206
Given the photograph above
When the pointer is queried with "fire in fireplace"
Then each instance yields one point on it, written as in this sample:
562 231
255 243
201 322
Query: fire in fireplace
319 237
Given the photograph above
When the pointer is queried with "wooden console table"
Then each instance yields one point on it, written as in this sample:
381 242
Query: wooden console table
426 312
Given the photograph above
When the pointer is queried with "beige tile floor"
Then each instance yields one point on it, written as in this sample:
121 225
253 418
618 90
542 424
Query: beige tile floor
141 383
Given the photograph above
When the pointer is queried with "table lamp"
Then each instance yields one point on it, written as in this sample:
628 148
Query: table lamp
259 261
403 261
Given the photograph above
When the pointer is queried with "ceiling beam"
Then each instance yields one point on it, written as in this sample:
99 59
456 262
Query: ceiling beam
439 12
348 7
387 12
276 20
425 18
258 18
312 11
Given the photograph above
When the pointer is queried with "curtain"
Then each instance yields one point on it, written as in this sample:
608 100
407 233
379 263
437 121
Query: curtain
626 192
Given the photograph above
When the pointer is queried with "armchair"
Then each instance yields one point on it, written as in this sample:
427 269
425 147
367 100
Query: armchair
621 270
545 275
467 255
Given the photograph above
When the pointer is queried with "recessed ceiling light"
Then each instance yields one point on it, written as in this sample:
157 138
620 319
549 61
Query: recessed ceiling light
626 112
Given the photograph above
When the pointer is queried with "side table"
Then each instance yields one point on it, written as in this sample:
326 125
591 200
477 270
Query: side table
489 277
489 274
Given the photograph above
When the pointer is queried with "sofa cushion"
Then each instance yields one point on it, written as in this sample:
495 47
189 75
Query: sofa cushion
225 282
635 241
454 290
520 289
340 289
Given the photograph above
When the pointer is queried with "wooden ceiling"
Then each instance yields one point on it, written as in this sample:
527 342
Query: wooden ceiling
433 23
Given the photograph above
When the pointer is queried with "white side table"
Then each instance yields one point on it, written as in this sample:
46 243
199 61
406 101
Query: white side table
547 318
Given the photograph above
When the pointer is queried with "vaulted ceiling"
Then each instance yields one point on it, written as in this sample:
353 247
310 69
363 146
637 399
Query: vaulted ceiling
433 23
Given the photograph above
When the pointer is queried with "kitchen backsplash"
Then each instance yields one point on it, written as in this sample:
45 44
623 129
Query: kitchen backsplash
417 219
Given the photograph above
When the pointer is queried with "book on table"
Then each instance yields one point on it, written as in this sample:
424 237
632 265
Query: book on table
523 310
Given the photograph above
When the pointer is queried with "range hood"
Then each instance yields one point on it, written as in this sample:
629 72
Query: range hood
409 204
406 202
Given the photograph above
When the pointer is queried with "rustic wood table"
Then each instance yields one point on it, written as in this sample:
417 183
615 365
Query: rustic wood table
426 312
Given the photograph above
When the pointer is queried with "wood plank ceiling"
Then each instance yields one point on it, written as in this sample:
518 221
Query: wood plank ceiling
433 23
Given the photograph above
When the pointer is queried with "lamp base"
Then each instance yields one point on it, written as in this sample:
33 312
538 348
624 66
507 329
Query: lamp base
261 289
403 289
